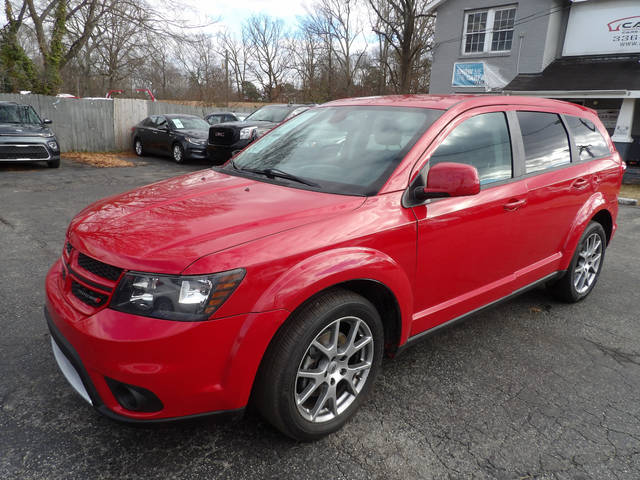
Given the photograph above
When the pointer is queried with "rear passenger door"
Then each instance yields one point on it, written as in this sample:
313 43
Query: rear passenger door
558 185
467 245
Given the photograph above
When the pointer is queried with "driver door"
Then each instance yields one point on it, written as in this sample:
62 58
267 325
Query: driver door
467 246
162 136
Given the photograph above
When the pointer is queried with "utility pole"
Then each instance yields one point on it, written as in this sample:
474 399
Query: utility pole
226 77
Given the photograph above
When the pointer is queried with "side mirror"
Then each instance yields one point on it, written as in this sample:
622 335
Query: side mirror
449 180
46 121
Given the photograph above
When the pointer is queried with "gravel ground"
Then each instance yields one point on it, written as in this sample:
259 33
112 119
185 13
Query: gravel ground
530 389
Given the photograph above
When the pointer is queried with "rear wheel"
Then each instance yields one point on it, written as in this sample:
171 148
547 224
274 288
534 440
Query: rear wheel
137 146
178 153
585 266
321 365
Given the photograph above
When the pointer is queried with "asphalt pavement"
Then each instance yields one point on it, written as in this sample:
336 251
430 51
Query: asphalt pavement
530 389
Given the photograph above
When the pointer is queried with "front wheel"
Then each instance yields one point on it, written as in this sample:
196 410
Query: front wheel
55 163
585 266
321 365
178 153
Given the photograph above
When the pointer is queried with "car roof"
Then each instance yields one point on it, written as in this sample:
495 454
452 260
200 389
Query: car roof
461 102
219 113
175 115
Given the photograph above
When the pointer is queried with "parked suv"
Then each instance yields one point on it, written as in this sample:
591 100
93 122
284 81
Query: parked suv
24 137
348 232
225 139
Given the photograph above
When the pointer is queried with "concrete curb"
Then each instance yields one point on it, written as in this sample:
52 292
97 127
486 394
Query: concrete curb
627 201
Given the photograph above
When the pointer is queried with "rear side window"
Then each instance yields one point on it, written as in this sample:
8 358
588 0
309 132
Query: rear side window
147 122
546 144
589 141
481 141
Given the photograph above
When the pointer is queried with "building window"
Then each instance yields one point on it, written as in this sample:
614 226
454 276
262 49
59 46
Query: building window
489 30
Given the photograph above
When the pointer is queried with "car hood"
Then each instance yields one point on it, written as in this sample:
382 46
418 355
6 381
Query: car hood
25 130
166 226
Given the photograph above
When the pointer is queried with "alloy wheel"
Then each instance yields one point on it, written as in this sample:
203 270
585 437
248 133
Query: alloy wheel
334 369
588 265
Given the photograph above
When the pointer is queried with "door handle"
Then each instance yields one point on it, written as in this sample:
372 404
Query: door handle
580 183
513 205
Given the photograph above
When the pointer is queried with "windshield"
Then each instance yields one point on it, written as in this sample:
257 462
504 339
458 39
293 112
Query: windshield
18 114
189 123
270 113
347 150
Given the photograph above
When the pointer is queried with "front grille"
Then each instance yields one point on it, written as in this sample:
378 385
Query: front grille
98 268
23 152
222 135
88 296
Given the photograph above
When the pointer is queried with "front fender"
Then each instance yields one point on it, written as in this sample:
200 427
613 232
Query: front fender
329 268
595 204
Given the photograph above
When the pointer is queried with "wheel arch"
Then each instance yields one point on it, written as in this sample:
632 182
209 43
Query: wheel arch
604 218
595 209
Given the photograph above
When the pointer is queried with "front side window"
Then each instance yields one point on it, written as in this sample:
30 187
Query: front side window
546 144
489 30
349 150
588 140
482 141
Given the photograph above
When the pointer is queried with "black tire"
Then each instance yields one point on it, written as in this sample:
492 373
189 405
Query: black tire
278 383
138 147
54 163
568 288
177 153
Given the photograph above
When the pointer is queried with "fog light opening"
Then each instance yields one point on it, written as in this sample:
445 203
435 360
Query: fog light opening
134 398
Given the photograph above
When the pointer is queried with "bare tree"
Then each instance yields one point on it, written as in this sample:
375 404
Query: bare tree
407 27
344 31
267 38
238 54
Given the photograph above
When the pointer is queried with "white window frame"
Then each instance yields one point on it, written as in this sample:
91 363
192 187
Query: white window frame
488 32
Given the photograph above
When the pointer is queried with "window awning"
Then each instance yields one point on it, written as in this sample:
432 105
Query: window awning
617 77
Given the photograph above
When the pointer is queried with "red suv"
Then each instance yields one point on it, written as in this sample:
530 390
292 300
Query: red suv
348 232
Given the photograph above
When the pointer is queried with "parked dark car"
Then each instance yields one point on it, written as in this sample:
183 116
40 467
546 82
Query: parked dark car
25 137
221 117
227 138
183 137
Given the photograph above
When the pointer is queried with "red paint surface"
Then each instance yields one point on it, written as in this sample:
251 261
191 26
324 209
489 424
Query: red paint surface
440 260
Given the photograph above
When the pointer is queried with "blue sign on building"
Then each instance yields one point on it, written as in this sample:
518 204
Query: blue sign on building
468 75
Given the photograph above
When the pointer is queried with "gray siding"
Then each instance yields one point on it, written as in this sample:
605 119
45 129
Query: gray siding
100 125
537 33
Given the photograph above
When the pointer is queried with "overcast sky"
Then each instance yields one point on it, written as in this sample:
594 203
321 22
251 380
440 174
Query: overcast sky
232 13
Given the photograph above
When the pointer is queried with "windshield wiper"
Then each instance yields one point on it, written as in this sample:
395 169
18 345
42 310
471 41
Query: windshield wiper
274 172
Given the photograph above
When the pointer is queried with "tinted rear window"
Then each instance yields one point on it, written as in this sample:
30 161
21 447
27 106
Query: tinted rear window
546 144
588 140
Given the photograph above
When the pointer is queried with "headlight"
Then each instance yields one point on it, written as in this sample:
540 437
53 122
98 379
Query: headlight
247 132
183 298
53 145
196 141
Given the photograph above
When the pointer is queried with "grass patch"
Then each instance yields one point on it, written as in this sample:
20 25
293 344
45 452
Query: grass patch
101 159
630 191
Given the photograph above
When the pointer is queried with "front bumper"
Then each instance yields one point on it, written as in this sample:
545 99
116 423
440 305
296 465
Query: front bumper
222 153
194 368
195 152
